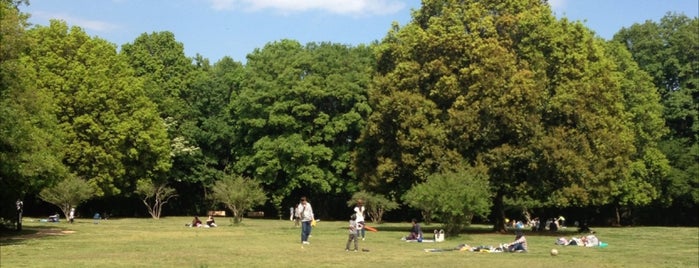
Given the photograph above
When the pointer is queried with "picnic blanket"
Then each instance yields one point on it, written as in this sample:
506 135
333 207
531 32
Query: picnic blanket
465 247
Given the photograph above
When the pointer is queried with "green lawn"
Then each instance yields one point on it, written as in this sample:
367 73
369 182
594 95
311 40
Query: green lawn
276 243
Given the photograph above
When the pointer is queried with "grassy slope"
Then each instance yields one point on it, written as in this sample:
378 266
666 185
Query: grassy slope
276 243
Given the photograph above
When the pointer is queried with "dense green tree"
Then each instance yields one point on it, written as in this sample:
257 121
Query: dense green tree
668 51
212 88
68 193
298 115
649 169
453 197
114 136
503 83
160 58
176 85
30 140
239 194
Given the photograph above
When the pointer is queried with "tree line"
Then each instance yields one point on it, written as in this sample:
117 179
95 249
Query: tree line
474 110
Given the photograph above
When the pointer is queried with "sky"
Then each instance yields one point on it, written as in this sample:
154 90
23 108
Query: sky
235 28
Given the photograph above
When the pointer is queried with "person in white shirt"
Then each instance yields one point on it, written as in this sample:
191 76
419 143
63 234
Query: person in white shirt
359 211
305 214
71 215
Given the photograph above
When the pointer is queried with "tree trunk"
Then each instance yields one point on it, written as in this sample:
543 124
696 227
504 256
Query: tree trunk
499 213
618 216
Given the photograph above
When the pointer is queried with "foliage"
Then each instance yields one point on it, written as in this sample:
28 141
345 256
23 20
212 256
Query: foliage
376 204
239 194
503 83
30 140
298 115
453 197
68 193
178 88
114 136
154 196
649 165
667 50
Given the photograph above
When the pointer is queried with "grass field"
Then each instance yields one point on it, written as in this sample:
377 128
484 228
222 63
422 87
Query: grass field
276 243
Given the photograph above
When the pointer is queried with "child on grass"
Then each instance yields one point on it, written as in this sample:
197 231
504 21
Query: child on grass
353 234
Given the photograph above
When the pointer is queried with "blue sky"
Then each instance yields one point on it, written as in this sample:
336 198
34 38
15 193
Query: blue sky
217 28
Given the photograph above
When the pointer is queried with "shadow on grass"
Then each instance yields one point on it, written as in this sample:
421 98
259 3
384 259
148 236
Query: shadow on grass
12 237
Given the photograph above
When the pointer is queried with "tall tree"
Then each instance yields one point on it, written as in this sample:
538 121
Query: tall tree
169 75
298 115
506 84
30 140
114 136
668 51
649 168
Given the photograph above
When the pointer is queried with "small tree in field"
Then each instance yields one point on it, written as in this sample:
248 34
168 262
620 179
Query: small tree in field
238 194
376 204
154 196
68 193
454 197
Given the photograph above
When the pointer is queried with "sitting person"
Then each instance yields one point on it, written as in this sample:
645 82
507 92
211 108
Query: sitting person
415 232
196 222
210 222
520 243
54 217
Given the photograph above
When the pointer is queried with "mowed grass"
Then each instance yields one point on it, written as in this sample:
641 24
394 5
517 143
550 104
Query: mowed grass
270 243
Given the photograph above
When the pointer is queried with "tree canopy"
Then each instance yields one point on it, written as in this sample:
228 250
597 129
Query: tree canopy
504 83
498 103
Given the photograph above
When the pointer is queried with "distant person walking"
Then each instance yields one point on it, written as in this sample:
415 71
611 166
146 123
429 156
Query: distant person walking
305 214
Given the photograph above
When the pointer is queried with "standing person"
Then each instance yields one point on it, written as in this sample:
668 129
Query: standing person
353 233
71 215
291 213
20 209
359 211
305 214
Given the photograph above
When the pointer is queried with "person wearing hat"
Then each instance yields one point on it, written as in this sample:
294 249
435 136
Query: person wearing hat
520 243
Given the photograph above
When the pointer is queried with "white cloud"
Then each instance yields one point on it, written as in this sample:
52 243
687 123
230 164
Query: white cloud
222 4
344 7
557 6
94 25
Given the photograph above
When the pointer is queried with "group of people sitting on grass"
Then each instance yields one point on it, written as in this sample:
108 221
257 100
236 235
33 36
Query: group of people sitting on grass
196 222
518 245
